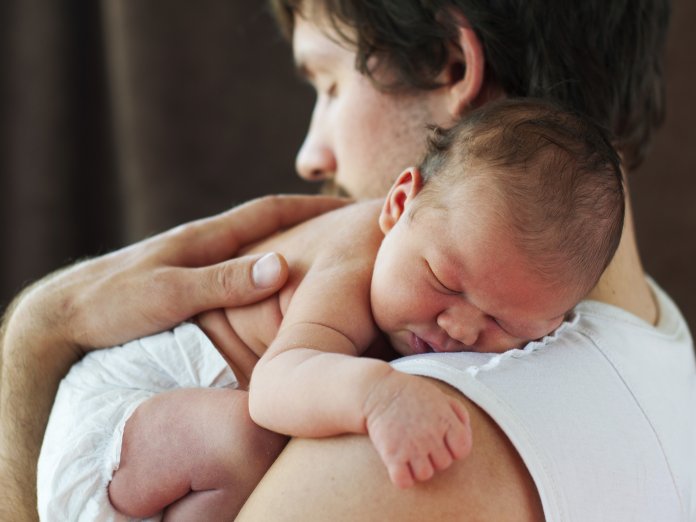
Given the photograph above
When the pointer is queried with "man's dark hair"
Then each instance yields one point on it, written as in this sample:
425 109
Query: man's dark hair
601 58
551 175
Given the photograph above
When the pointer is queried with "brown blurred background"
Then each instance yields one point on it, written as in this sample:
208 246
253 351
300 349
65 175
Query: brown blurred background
121 118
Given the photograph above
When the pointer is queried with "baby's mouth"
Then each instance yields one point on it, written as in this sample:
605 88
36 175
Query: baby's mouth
418 345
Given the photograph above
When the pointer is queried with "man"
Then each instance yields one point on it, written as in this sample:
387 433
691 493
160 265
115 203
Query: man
382 72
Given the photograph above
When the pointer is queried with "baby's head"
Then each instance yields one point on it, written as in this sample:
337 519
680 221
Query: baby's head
509 221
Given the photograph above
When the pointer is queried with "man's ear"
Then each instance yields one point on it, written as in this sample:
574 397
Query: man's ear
403 191
464 72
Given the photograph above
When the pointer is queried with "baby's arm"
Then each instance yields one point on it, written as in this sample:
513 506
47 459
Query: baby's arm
311 384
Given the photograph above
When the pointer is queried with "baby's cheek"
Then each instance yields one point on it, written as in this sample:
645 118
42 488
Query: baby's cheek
382 307
496 340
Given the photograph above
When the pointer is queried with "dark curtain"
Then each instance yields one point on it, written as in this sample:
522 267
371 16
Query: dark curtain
664 189
121 118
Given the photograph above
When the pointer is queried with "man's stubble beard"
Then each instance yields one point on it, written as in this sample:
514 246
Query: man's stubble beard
331 188
379 189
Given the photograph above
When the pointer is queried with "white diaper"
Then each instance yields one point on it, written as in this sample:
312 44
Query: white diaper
82 445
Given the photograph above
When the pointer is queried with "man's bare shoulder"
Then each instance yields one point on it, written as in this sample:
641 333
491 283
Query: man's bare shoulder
342 479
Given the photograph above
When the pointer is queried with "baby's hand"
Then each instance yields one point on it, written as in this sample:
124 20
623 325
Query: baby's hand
416 428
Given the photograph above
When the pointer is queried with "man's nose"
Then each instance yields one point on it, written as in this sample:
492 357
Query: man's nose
462 323
315 160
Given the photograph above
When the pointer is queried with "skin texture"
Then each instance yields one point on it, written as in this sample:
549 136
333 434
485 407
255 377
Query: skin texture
455 299
364 164
308 381
350 115
129 293
199 476
93 304
491 484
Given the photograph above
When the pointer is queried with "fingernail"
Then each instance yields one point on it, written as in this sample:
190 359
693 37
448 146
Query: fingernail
266 271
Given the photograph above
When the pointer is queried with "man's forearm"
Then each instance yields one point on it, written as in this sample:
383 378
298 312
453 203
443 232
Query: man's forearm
136 291
32 365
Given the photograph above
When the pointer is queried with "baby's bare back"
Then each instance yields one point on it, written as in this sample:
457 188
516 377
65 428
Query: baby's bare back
342 241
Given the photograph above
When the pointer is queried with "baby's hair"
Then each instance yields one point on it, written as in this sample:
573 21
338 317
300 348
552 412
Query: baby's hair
554 171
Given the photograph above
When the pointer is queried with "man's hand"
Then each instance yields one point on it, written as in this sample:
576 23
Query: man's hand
141 289
416 428
155 284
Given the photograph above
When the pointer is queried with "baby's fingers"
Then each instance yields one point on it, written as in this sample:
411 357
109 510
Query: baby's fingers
441 458
421 468
458 437
400 475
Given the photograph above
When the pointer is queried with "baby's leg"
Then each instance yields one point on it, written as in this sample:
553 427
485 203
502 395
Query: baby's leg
194 453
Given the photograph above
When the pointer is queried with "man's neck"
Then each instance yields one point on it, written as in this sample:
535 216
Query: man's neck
623 283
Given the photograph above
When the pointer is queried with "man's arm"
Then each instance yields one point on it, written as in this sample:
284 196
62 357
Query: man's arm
147 287
346 482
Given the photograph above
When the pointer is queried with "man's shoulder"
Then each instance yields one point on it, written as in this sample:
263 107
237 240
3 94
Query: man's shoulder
491 484
583 410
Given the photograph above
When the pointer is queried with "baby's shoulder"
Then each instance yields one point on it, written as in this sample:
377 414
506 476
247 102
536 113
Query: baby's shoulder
352 239
334 246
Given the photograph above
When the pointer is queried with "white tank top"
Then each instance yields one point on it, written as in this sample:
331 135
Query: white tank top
602 412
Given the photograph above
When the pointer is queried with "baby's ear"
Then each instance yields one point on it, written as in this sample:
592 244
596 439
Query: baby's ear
403 191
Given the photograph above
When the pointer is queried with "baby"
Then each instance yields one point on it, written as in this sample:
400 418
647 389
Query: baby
508 222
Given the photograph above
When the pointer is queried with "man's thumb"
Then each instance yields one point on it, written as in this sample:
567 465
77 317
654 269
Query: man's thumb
269 271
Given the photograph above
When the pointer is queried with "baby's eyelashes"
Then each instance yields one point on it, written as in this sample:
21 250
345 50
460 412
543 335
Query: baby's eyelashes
439 285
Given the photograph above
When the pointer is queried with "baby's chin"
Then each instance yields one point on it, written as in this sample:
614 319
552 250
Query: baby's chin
400 343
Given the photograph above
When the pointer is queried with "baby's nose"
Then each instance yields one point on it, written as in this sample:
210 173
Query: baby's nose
462 329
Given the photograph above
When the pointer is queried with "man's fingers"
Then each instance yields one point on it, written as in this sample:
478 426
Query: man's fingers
267 271
237 282
213 239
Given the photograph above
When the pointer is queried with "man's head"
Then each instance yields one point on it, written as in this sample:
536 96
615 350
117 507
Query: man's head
597 58
509 221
